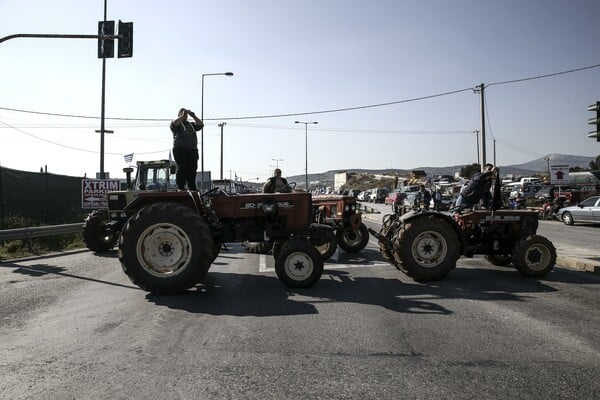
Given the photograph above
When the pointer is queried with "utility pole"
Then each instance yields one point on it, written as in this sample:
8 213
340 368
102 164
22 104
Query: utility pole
482 131
221 125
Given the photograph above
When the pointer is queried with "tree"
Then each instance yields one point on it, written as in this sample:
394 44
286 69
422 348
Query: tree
595 164
469 170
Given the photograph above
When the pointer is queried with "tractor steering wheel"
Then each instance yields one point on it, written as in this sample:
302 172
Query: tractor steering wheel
212 192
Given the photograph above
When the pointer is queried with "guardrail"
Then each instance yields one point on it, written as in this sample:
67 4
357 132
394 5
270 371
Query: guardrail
39 231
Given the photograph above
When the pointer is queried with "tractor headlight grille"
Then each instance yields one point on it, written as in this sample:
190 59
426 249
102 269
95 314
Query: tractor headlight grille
116 201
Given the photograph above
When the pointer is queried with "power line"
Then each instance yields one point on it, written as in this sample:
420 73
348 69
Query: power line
249 117
321 111
70 147
543 76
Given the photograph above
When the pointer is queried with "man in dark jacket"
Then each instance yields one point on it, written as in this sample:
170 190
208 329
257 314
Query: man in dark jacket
478 189
276 184
185 148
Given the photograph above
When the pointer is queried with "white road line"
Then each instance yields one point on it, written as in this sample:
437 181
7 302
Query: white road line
262 264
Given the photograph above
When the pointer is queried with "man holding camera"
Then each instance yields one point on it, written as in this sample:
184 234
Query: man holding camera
185 148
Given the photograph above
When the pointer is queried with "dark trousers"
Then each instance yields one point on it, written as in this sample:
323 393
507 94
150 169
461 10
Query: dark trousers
187 164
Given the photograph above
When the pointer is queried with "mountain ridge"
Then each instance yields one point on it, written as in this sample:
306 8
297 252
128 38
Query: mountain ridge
533 167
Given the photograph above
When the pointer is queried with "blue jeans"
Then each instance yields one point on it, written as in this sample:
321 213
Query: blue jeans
462 203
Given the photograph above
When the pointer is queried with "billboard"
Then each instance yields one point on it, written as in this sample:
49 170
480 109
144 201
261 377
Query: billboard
93 192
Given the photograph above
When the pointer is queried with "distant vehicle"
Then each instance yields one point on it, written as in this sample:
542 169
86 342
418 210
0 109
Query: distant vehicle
526 190
395 200
586 211
364 196
531 180
572 195
446 204
378 195
410 188
394 197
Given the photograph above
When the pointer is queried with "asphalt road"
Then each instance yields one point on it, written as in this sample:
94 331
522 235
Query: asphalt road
74 327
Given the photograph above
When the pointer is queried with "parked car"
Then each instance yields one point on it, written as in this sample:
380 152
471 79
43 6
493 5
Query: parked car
394 197
378 195
446 204
354 193
364 196
411 201
550 192
585 211
526 190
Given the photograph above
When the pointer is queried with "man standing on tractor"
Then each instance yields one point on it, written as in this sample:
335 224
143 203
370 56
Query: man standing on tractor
478 189
185 148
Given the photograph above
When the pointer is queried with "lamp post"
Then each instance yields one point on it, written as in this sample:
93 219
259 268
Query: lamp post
202 131
221 125
306 149
477 138
277 161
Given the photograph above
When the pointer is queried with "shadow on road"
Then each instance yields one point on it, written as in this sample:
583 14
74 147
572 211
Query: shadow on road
39 270
224 293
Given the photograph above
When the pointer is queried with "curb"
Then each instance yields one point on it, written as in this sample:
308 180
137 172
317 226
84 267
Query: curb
578 264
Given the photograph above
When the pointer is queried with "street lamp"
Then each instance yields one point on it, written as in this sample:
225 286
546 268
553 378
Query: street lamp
202 131
221 125
306 149
277 161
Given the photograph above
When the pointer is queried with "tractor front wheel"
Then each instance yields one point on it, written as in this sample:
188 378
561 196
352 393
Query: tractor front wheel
534 256
298 264
351 240
95 235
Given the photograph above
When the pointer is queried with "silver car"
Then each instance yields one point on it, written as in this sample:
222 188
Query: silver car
586 211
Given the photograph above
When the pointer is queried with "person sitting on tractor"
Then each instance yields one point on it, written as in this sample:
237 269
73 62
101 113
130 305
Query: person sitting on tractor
478 189
276 184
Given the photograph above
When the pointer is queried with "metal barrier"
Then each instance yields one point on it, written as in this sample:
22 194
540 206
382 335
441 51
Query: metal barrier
40 231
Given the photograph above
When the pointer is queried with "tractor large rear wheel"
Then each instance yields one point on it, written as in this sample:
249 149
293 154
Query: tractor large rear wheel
427 248
166 248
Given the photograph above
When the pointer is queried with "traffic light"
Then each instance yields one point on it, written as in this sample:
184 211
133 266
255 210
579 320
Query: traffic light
595 121
106 47
125 40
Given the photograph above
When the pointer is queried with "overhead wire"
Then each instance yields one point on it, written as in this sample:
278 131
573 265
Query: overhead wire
385 104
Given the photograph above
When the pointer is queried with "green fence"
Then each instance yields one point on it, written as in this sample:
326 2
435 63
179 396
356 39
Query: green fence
43 197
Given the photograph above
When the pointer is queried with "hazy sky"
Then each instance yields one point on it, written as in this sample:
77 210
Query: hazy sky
293 57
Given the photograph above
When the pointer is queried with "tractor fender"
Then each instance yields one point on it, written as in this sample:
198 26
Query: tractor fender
320 232
417 214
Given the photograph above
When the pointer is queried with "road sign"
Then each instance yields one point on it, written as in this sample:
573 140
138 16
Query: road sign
559 174
93 192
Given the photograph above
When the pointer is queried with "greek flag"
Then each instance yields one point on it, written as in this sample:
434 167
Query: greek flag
128 157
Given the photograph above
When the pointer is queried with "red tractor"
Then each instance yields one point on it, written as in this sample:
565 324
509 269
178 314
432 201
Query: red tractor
168 239
426 244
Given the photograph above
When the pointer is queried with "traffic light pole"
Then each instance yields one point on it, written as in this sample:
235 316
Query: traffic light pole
102 107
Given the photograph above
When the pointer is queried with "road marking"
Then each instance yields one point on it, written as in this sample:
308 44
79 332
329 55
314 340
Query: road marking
262 265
